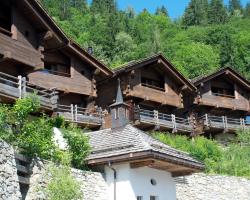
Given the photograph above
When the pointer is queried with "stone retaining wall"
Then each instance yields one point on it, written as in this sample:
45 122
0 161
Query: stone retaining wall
9 185
93 185
213 187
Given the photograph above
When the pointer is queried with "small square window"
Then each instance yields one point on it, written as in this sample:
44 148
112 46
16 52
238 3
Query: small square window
139 198
154 198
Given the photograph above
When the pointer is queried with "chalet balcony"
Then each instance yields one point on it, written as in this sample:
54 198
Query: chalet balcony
12 88
223 123
81 116
147 118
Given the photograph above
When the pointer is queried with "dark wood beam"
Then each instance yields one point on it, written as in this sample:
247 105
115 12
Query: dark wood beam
141 164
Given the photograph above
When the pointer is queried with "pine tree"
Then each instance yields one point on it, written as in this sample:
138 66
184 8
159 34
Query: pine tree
104 6
234 5
80 4
196 13
247 10
217 13
162 11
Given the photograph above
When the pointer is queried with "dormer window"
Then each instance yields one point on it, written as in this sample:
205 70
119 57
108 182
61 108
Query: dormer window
154 84
224 92
5 18
57 69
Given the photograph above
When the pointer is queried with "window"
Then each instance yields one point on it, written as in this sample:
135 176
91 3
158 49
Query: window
154 198
5 18
153 182
139 198
116 113
154 84
58 69
224 92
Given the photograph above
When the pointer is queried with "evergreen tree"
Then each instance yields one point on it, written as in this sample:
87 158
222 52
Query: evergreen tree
80 4
234 5
103 6
217 13
162 11
196 13
247 10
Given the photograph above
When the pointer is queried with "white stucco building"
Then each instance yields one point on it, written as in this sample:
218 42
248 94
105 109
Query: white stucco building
135 165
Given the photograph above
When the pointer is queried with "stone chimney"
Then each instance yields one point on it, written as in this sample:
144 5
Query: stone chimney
119 110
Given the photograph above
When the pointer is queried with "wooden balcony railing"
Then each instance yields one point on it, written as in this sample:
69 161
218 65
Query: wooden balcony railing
169 121
76 114
223 122
17 87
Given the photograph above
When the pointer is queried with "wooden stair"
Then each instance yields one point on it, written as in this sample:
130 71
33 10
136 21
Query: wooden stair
23 172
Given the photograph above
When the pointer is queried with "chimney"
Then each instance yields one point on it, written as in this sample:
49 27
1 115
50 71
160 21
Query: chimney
90 50
119 110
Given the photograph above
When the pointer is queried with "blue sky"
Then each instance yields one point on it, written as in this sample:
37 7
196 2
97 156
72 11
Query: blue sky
175 7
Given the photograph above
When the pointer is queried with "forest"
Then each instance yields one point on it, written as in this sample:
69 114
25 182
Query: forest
210 35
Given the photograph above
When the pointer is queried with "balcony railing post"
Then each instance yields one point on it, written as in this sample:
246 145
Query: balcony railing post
156 117
224 119
20 86
76 112
174 123
206 118
24 83
72 112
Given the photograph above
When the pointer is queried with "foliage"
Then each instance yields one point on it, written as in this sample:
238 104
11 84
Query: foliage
78 145
33 135
62 185
233 160
201 148
118 37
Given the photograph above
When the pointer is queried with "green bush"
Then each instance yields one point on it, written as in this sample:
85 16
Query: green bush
233 160
78 145
62 185
33 135
201 148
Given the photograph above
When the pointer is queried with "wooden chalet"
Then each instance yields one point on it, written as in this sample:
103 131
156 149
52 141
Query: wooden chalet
155 92
36 56
222 102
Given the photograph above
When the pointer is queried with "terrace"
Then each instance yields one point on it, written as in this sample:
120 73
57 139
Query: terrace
12 88
223 123
81 116
146 118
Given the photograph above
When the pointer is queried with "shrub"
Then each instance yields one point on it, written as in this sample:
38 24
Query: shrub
62 185
201 148
34 135
233 160
78 145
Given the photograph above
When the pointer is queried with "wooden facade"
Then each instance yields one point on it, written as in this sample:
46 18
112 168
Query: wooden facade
155 91
36 56
222 101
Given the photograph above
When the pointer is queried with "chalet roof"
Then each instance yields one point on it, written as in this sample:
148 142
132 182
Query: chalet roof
227 70
129 143
42 14
155 58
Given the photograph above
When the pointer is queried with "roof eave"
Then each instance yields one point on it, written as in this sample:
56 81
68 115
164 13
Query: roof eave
150 154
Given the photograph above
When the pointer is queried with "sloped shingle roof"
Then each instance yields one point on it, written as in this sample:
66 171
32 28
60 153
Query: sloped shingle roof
128 139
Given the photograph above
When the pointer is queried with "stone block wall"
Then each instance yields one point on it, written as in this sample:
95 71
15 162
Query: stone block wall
213 187
9 185
93 185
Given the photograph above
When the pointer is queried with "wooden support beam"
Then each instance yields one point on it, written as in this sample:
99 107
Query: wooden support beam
23 180
141 164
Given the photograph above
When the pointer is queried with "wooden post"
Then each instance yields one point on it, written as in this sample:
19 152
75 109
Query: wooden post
72 112
20 86
206 118
156 117
24 86
223 120
76 111
174 123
